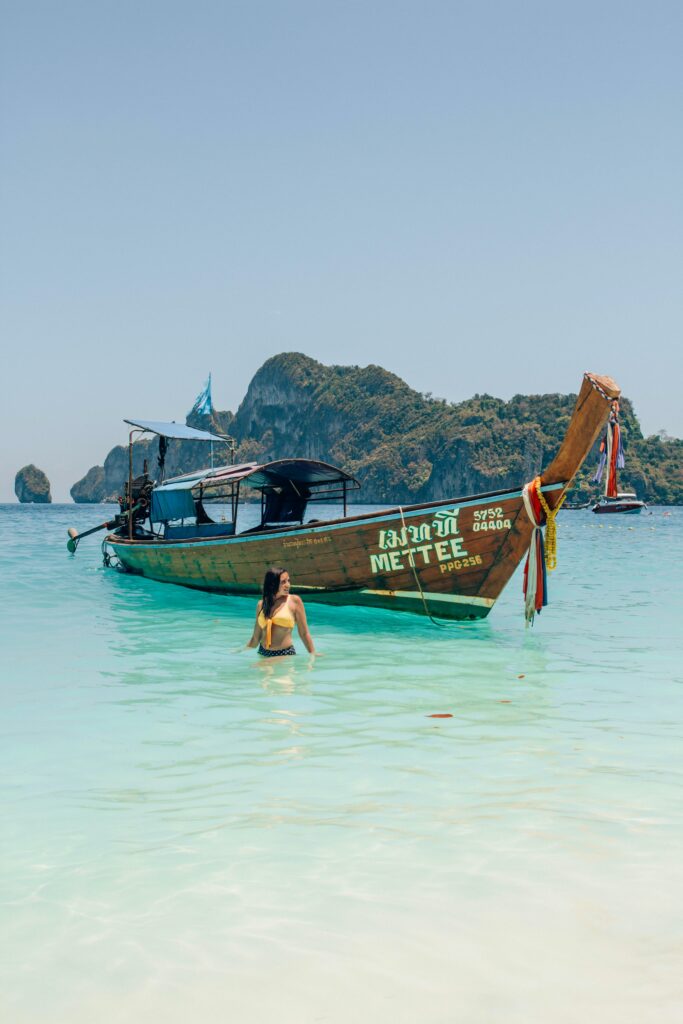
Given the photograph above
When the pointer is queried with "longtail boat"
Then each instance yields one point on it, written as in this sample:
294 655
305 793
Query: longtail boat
448 559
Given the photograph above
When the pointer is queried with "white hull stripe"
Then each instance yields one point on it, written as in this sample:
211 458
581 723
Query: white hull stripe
414 595
484 602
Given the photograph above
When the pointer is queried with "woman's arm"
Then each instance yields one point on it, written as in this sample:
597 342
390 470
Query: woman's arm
256 635
301 624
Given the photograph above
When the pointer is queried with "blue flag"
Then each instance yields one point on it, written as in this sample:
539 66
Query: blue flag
203 404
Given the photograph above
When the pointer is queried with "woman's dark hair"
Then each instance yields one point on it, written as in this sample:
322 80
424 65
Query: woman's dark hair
271 585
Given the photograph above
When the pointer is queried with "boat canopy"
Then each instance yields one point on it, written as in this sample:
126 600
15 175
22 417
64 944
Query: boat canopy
174 499
286 486
179 431
217 474
296 473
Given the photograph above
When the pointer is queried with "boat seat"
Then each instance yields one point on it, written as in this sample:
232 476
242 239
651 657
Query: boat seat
195 530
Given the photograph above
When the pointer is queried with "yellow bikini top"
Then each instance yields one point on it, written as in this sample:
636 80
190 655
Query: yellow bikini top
286 620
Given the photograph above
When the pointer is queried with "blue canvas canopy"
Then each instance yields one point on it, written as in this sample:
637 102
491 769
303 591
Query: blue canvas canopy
179 431
172 501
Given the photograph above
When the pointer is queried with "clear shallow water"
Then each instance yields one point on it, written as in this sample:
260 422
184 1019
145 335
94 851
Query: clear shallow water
190 834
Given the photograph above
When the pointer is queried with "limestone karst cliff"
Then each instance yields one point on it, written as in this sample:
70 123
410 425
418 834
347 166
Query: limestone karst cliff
32 486
402 446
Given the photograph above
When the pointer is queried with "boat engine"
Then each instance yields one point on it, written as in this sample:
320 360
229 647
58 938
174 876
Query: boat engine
139 499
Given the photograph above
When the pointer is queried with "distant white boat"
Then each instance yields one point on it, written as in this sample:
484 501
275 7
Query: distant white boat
612 460
625 501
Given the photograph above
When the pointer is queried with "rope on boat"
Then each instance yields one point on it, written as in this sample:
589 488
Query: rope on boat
594 384
411 562
110 560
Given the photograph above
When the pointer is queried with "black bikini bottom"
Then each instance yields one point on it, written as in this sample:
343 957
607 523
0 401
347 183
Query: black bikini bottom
266 653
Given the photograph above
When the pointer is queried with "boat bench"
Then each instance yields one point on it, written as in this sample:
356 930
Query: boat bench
195 530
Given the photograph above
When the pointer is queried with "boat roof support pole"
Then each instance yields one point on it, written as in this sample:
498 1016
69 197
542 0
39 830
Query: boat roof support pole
130 481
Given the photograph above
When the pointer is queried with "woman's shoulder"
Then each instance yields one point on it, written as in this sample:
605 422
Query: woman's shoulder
295 601
259 606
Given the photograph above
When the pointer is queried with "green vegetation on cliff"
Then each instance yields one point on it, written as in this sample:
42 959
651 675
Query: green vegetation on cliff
31 486
404 446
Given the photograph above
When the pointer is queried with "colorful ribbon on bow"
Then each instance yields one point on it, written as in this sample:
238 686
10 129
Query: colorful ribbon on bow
535 578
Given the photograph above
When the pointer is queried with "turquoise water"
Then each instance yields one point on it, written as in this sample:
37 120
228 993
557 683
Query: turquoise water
189 834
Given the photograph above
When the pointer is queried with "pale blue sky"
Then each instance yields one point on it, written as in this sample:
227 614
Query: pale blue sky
480 196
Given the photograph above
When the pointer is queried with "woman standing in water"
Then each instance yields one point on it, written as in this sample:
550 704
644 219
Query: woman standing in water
277 613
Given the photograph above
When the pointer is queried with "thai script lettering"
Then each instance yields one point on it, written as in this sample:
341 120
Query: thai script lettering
301 542
444 524
406 535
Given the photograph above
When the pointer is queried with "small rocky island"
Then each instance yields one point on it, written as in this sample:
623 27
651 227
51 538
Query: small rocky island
31 485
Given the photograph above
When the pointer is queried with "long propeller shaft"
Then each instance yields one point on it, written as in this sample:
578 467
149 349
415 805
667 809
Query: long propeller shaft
75 537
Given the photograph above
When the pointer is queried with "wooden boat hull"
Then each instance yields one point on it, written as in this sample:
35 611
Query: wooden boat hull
450 558
462 553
